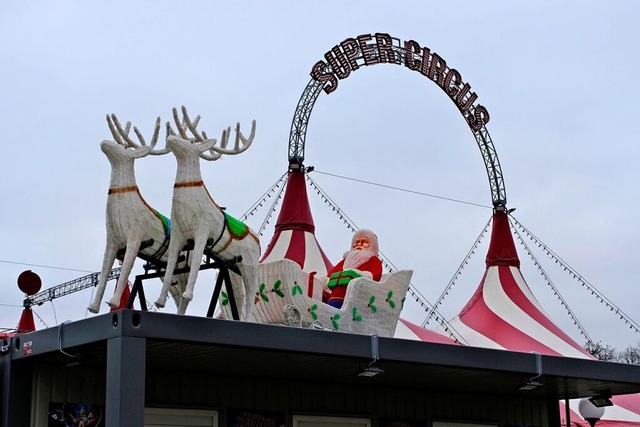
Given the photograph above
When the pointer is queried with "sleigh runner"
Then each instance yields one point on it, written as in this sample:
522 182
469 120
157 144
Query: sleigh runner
287 295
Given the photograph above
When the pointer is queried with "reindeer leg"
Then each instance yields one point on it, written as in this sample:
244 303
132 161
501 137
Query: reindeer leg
182 307
179 287
175 294
175 244
239 292
250 282
196 260
107 262
133 246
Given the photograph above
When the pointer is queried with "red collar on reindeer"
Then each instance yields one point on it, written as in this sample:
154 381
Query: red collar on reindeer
188 184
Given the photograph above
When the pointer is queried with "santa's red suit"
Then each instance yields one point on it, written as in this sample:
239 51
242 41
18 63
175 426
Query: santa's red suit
339 276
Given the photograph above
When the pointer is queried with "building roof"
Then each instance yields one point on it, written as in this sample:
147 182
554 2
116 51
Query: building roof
285 352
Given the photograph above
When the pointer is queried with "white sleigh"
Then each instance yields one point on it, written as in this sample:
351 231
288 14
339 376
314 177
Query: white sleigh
286 295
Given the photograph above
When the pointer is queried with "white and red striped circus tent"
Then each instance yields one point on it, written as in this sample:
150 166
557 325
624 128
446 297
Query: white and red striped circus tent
502 314
294 236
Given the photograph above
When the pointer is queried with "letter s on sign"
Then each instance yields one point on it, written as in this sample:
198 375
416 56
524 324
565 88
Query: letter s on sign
320 74
478 118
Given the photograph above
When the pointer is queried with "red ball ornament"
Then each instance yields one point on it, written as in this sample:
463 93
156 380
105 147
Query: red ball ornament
29 282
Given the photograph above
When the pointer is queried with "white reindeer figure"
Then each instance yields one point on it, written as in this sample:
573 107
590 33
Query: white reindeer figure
130 220
194 215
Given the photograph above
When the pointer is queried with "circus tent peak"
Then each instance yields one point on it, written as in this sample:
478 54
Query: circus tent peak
294 236
502 249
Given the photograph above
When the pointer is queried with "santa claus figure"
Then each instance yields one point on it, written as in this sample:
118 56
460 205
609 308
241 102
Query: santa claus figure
361 261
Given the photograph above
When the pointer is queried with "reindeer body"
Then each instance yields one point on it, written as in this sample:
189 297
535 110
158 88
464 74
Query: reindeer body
129 220
196 216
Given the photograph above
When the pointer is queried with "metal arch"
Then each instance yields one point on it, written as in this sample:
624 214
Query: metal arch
300 121
311 93
492 165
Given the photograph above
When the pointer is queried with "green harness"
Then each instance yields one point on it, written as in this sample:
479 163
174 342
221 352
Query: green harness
236 227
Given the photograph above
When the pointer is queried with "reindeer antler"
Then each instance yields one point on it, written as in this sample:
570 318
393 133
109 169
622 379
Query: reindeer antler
186 124
198 137
237 149
201 138
121 136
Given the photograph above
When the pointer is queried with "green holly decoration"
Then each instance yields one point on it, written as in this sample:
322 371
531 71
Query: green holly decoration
276 288
371 304
297 289
262 294
312 311
356 316
334 321
389 300
225 298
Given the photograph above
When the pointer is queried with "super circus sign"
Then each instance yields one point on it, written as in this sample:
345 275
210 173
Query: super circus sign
368 49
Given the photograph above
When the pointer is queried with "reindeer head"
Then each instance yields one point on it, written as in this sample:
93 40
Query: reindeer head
123 148
199 144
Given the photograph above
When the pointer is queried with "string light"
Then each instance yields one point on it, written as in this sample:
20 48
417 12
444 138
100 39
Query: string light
583 282
457 274
548 281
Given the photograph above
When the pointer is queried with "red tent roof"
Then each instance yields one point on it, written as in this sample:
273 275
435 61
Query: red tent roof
502 249
411 331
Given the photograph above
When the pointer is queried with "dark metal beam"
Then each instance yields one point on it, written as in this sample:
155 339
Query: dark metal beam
67 288
15 390
125 391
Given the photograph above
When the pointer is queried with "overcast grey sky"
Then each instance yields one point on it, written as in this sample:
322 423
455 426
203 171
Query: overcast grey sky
558 79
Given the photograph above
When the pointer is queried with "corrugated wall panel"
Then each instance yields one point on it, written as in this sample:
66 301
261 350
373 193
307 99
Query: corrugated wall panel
349 400
191 390
59 383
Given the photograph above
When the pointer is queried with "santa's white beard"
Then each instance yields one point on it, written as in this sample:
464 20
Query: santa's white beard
357 257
